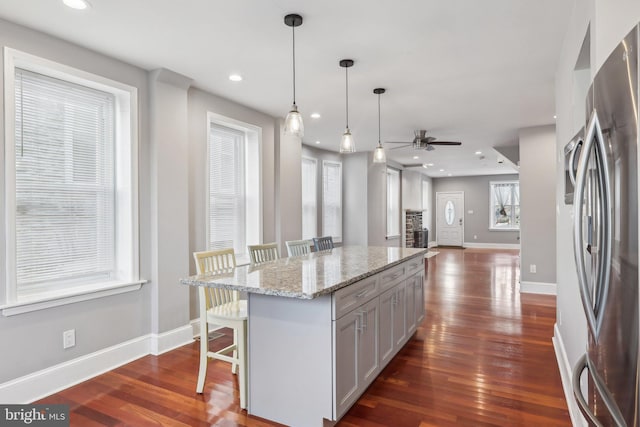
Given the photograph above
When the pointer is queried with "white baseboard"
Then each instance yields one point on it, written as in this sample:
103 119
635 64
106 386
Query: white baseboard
566 375
432 244
538 288
161 343
491 245
40 384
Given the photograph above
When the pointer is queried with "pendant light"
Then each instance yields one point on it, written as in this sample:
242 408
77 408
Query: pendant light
347 144
293 123
378 154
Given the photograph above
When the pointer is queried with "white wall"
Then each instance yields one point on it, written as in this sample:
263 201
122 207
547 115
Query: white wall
537 204
354 199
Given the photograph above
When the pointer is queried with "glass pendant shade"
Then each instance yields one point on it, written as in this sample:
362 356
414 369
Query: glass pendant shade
293 123
378 155
347 145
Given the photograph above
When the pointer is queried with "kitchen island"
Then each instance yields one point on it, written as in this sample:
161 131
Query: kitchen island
322 326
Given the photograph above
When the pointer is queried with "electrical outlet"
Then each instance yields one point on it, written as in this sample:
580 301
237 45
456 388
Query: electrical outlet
69 338
532 268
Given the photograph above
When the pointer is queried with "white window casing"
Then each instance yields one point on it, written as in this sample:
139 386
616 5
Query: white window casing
504 205
71 190
309 198
332 200
393 203
234 197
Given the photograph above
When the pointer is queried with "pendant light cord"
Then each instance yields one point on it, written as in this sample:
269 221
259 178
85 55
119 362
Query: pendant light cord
379 143
293 29
346 80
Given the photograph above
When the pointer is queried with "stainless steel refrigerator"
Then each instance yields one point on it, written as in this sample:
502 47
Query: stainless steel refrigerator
606 241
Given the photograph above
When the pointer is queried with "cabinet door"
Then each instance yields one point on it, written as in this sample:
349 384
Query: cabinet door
419 298
411 312
368 356
346 355
399 305
386 326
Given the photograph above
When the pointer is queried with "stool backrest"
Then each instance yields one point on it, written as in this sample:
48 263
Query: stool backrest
219 261
263 253
298 247
323 243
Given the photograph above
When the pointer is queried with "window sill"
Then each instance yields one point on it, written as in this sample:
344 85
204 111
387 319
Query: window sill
70 296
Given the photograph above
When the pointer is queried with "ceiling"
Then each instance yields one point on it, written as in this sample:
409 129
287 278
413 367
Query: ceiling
465 70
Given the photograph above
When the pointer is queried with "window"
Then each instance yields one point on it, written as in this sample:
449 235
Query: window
309 200
505 205
332 200
233 205
71 195
393 203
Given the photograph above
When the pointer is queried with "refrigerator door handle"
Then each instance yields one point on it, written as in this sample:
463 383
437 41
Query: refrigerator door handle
594 132
607 399
572 160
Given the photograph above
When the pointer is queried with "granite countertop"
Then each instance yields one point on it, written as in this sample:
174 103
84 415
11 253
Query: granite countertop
308 276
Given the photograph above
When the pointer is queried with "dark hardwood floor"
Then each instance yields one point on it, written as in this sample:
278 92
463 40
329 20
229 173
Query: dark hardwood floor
482 357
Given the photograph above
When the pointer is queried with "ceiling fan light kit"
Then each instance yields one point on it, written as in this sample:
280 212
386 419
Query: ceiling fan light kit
347 144
379 155
293 124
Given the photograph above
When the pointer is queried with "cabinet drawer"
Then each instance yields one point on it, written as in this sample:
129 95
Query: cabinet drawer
414 265
390 277
346 299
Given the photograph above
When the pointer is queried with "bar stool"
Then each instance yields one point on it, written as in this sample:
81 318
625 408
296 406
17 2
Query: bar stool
298 247
222 307
263 253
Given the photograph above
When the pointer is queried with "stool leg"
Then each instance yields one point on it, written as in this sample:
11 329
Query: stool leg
242 362
204 344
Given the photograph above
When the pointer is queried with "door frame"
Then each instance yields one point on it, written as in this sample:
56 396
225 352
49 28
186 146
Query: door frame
438 215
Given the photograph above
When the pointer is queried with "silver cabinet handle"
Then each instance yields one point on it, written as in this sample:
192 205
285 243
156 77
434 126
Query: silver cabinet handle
607 399
594 132
361 294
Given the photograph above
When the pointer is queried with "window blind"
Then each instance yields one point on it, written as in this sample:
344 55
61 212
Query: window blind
309 198
64 182
393 202
226 189
332 200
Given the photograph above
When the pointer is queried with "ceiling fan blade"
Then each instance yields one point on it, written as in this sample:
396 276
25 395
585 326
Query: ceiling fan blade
402 146
445 143
398 142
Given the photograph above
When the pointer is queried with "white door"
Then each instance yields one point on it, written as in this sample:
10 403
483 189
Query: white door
449 215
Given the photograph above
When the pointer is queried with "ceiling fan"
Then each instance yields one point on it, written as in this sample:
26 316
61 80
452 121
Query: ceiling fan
422 142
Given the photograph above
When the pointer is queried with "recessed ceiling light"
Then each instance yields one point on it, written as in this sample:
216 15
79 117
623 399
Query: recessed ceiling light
478 152
315 115
441 170
77 4
415 157
235 77
424 165
317 142
429 164
554 117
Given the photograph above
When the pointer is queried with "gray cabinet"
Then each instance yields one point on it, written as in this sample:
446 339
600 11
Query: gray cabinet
357 360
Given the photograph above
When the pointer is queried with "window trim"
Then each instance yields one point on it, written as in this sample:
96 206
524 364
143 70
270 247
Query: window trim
388 235
256 168
336 239
315 178
492 227
126 113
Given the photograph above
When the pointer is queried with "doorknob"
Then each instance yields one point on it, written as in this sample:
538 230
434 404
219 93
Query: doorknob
460 221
